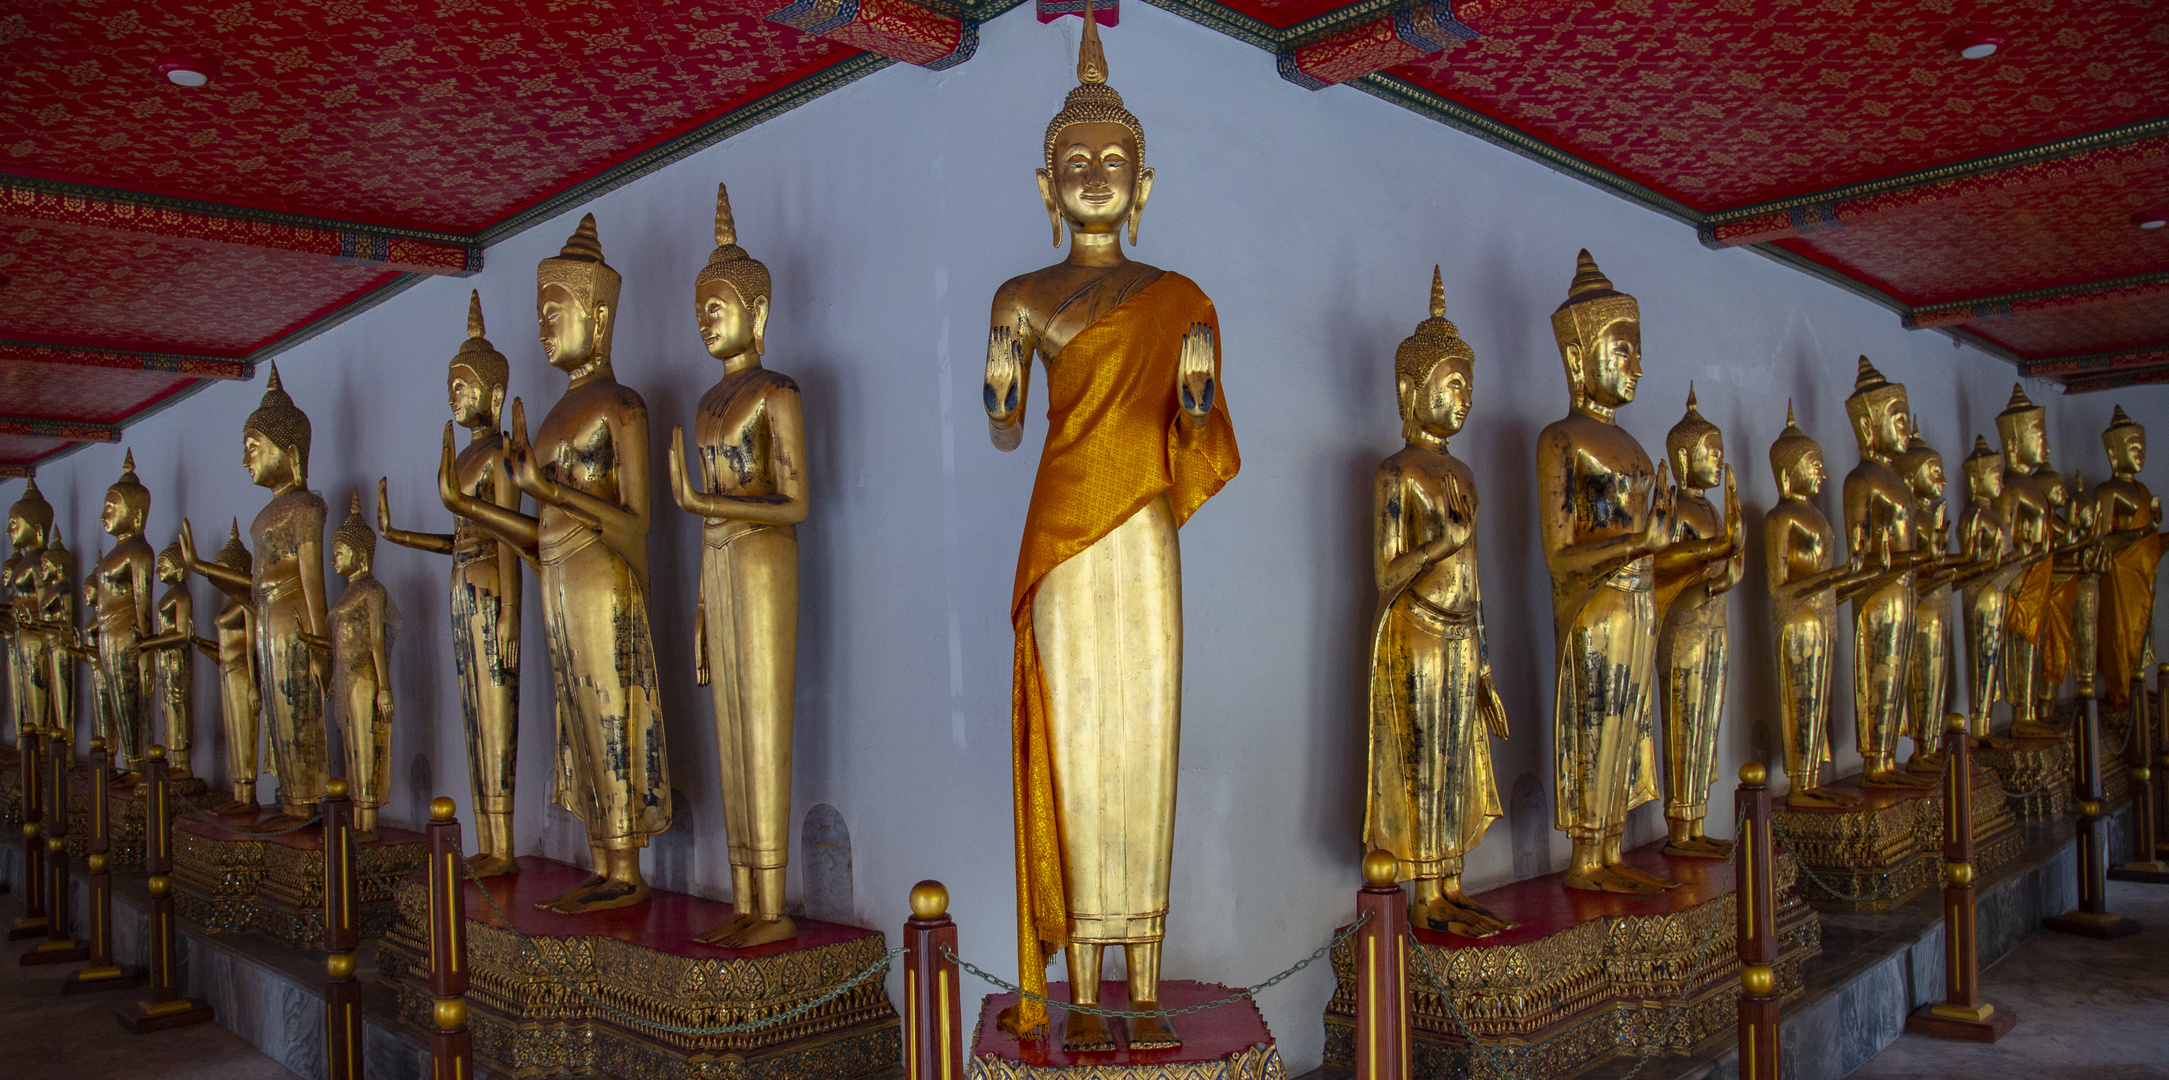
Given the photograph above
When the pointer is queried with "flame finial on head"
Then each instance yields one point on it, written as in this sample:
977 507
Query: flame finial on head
1093 101
1792 444
1091 56
33 508
235 556
729 262
278 419
355 532
1682 439
1435 341
579 268
476 354
1438 293
475 328
2019 402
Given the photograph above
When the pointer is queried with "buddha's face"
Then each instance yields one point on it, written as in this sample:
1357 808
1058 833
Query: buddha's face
2025 440
1441 404
470 401
1096 183
1984 480
1706 461
571 332
1890 425
1805 478
117 517
268 463
1928 481
1612 367
728 325
345 561
170 569
2127 450
22 533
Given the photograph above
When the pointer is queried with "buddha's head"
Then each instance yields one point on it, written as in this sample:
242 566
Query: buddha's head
354 543
730 294
2125 441
127 502
2083 509
1922 468
1984 471
576 300
235 555
30 520
1697 449
1599 331
172 567
1434 373
476 379
2023 427
2054 489
1877 409
275 440
1797 461
1095 177
53 566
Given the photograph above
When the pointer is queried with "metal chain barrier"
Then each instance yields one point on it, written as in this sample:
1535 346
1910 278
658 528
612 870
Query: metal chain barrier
1996 781
674 1029
1672 1013
1491 1066
1094 1010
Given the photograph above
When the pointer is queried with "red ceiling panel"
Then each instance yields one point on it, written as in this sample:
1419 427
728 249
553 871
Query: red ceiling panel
1724 104
73 285
19 449
2124 323
98 394
444 115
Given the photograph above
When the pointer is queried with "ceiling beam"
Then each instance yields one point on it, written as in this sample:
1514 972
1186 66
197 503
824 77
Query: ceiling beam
2084 364
2004 305
204 367
2116 380
14 470
31 427
122 214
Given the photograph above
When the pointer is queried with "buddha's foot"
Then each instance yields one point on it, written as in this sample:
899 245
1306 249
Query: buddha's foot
1602 879
2033 729
1656 884
1992 742
1467 904
1893 778
591 881
1085 1033
762 932
720 933
1699 847
1008 1020
610 894
1925 763
1821 799
1448 917
1152 1032
368 836
485 864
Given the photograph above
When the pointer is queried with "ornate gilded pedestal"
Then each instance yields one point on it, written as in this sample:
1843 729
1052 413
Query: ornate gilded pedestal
11 792
1227 1043
124 815
1587 976
528 1020
2033 775
274 884
1878 854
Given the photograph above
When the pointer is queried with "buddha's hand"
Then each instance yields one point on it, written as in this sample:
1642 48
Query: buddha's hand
1657 526
384 704
384 515
1004 390
1194 374
1735 526
188 544
447 473
520 454
679 489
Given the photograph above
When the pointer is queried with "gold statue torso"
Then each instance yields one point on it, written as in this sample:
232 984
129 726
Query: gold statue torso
286 664
240 697
1800 548
1928 691
1693 652
56 625
1879 515
27 662
175 667
363 625
122 581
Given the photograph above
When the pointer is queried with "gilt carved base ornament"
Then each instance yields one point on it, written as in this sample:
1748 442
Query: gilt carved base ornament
1227 1043
1877 853
2035 775
534 985
124 817
1586 976
274 884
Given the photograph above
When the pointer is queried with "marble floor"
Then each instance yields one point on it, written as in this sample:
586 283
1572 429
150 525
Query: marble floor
45 1034
2091 1010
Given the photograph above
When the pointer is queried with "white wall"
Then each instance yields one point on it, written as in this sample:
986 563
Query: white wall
889 211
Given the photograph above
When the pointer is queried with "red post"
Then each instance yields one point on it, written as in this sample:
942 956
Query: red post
342 935
32 923
165 1007
2161 761
933 1023
1756 882
1383 1023
451 1047
1961 1014
2092 918
59 946
2146 863
100 972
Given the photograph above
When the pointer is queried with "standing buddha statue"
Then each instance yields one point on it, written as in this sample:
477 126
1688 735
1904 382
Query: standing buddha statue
485 593
587 470
1928 682
173 657
1879 522
2130 522
1799 546
2027 512
363 624
749 433
30 528
240 690
1431 793
286 589
121 599
1984 538
51 580
1703 558
1605 512
1138 439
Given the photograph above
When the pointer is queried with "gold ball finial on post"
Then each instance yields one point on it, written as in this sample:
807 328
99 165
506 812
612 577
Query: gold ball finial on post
929 899
337 788
1753 773
1380 867
97 745
158 752
1954 722
442 808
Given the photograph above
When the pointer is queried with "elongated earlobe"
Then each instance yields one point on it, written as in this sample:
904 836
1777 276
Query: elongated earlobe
1054 210
1137 209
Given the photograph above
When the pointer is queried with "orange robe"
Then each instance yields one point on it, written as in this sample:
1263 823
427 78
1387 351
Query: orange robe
2127 612
2058 643
1115 443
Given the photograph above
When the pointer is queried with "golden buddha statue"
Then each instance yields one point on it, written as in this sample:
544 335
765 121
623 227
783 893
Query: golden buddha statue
55 627
1880 514
2057 647
286 589
587 470
2026 511
1799 547
120 597
485 593
2130 522
172 652
1431 793
363 623
1605 512
749 434
1139 438
240 691
1985 539
1928 682
2086 568
1701 561
30 529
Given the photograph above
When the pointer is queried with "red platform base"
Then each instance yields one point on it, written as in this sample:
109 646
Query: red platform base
1988 1029
1231 1041
2103 927
144 1017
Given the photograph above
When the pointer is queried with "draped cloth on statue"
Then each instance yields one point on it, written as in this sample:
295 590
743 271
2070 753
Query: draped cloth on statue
1116 442
2127 612
2030 602
2057 641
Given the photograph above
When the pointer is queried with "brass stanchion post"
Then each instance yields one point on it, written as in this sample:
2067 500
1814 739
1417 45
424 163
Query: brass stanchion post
451 1046
1757 903
59 946
1961 1014
342 935
32 922
2161 762
1383 1023
933 1026
2146 865
2092 918
100 972
165 1008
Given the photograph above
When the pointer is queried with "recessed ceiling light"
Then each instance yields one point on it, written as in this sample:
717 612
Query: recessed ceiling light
185 72
1976 46
2151 219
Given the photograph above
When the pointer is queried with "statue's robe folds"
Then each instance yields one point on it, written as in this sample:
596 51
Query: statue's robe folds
1807 658
1096 693
1604 710
2127 613
293 703
488 665
2025 626
363 611
2059 641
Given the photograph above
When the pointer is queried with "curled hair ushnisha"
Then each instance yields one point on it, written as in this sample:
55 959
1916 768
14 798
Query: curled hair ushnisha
280 421
1792 445
235 555
1093 101
476 354
2121 426
1691 429
355 532
1435 341
1912 464
729 262
33 508
172 554
131 490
